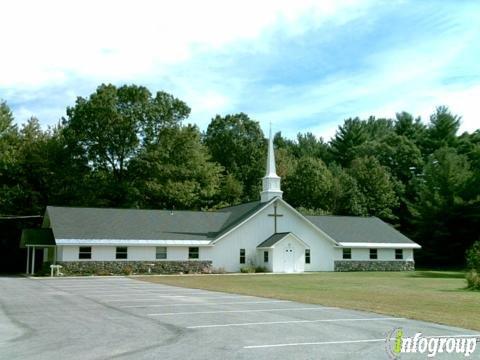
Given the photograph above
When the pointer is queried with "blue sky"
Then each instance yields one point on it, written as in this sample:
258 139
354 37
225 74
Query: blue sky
302 65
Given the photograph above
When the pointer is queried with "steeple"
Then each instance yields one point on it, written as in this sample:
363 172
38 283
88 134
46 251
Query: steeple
271 181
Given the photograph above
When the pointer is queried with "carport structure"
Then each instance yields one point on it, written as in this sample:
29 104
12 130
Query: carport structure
34 239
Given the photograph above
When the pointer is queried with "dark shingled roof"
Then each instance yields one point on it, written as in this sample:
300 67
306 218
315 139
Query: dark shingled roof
272 240
359 229
100 223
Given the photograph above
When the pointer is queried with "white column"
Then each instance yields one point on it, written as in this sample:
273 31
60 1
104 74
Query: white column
55 255
33 261
28 258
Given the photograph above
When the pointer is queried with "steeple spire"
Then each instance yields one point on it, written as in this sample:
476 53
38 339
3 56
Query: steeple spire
271 181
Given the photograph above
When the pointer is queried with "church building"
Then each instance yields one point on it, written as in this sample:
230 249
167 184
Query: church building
268 234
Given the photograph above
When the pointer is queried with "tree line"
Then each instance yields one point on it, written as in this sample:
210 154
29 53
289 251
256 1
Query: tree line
126 147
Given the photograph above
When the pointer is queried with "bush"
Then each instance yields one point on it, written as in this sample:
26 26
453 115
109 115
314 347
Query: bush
473 264
473 280
253 269
44 270
127 270
247 269
260 269
473 257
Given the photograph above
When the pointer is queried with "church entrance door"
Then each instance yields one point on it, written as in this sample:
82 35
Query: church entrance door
289 259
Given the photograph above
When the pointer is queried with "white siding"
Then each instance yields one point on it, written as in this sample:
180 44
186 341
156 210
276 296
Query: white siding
103 253
69 253
141 253
383 254
260 259
226 252
408 254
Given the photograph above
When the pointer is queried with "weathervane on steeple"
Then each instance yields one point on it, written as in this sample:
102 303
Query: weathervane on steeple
271 181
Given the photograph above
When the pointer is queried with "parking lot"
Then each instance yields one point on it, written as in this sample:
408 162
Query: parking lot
119 317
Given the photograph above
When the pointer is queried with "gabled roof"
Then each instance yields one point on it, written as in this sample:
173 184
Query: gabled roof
272 240
277 237
134 224
355 229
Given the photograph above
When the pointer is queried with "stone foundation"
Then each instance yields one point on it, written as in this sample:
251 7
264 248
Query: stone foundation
134 267
375 265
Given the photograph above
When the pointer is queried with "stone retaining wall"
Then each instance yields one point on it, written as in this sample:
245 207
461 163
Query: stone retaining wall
376 265
134 267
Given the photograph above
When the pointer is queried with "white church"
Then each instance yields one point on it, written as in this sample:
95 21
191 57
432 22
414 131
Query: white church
268 233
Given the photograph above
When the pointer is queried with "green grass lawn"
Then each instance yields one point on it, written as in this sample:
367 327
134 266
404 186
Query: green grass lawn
436 296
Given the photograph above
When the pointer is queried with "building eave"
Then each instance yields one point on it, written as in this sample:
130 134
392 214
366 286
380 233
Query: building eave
135 242
379 245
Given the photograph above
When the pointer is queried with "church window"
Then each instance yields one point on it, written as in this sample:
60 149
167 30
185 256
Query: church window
373 254
121 252
85 252
242 256
193 253
307 256
398 254
265 256
161 253
347 253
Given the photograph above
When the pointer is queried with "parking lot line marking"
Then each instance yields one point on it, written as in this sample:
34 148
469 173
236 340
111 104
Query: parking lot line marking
349 341
172 296
141 293
240 311
291 322
207 303
314 343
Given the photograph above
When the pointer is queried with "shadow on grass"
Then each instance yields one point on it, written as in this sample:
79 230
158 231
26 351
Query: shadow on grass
439 274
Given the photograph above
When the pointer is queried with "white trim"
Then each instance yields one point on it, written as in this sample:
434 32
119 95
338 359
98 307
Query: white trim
132 242
379 245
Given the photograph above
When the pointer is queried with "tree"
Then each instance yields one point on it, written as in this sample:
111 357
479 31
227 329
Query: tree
400 155
176 171
376 185
412 129
378 128
348 136
308 145
345 197
309 185
236 142
445 213
113 124
442 130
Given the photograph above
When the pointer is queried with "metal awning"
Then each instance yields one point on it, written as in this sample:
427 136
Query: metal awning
37 237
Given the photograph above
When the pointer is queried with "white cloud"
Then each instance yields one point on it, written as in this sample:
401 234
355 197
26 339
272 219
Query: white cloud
49 41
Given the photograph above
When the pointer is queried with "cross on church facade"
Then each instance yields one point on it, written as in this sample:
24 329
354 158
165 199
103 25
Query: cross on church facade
275 216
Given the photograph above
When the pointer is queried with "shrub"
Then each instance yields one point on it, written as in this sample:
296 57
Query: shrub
247 269
44 270
473 280
127 270
260 269
473 257
473 264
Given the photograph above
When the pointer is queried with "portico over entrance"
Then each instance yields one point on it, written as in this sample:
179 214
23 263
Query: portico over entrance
282 253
